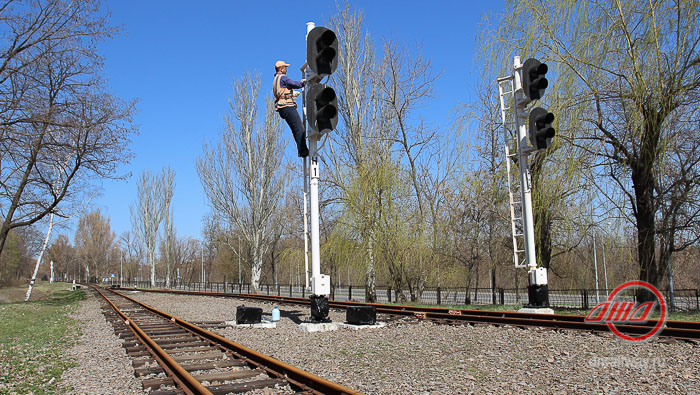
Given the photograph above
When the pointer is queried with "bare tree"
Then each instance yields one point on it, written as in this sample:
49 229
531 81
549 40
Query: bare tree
241 174
131 254
169 236
62 254
93 243
55 110
38 259
405 82
150 209
360 147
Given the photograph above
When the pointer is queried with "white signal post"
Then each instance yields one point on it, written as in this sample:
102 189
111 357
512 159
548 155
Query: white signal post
520 101
537 288
320 283
306 221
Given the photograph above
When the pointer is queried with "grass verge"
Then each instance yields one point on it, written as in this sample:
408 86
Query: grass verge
33 336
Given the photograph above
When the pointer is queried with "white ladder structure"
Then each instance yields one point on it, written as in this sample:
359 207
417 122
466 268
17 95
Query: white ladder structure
511 141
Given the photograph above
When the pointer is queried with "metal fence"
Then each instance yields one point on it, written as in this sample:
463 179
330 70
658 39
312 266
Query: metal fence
684 299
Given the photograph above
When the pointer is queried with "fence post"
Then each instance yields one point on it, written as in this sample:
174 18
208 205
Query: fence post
585 299
388 294
502 294
349 292
439 296
697 299
248 287
303 292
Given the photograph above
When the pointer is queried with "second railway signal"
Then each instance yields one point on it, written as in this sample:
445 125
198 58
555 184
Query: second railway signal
321 108
541 131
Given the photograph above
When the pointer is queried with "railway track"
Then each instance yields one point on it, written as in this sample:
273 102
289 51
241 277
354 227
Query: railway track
681 330
172 356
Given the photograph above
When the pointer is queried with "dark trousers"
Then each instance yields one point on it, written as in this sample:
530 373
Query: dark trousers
293 119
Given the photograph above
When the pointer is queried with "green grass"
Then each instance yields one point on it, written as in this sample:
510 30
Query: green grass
33 337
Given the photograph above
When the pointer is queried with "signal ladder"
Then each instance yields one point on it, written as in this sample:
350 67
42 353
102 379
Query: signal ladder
511 143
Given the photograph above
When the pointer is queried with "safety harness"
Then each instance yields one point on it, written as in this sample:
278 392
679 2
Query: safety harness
284 97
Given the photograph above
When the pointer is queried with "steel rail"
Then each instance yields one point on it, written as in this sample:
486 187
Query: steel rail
300 377
686 330
183 378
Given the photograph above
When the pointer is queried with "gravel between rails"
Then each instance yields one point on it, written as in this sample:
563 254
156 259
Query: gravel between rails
410 357
406 357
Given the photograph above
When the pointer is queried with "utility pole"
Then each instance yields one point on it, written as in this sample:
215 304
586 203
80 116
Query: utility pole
121 269
239 259
595 267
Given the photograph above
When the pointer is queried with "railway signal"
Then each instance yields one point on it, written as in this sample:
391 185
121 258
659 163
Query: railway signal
322 50
526 83
541 131
534 80
321 108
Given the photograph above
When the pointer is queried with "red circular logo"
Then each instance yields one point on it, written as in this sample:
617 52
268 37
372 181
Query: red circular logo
662 306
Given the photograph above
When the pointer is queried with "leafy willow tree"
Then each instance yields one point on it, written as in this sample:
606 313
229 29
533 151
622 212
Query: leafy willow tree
629 67
360 145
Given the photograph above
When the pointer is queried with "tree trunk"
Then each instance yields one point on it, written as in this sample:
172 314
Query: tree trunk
370 281
38 260
151 257
643 182
256 267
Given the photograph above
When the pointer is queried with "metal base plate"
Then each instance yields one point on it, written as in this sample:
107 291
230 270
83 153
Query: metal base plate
318 327
358 327
536 310
263 324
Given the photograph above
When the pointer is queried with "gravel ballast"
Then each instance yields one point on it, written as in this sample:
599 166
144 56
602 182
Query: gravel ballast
408 356
418 357
103 366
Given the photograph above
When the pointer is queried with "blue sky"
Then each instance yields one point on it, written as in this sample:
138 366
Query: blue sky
179 60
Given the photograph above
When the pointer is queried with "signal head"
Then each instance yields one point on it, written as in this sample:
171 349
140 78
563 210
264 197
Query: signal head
534 80
322 50
541 131
321 108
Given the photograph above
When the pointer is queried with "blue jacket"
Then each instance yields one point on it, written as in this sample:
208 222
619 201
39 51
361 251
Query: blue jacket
286 82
